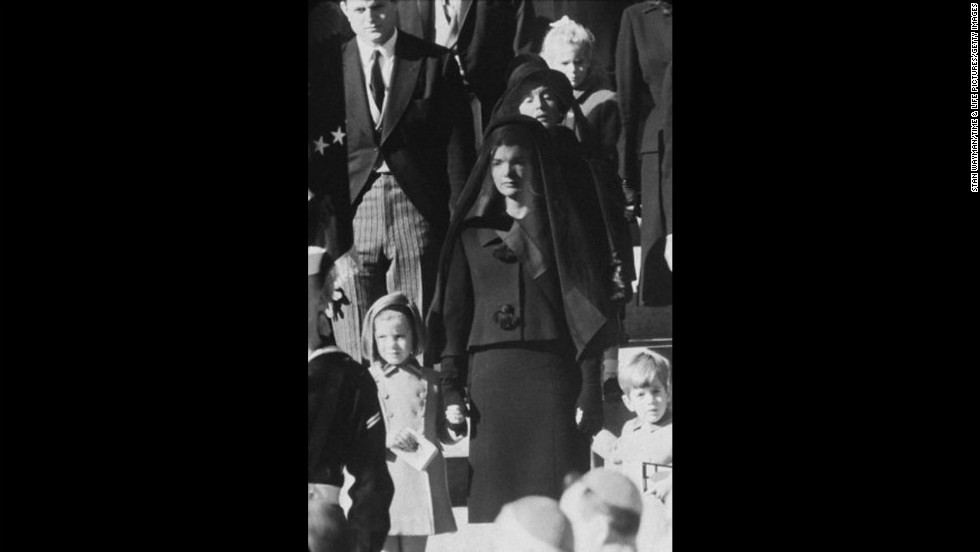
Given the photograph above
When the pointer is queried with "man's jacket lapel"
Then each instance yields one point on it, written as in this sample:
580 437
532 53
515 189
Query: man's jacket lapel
403 78
357 107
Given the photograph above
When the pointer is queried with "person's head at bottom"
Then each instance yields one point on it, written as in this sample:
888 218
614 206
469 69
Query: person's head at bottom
656 528
604 508
532 524
326 529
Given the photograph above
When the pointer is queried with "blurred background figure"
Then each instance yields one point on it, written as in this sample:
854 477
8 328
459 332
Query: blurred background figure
643 51
326 521
532 524
329 213
604 509
326 21
483 34
656 532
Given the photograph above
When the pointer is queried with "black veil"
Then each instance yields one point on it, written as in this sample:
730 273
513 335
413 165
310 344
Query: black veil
563 237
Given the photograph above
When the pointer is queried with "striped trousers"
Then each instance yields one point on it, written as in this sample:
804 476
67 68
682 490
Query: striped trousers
398 252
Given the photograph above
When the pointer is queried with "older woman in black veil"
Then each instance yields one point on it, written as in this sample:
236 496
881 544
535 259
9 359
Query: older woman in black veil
522 307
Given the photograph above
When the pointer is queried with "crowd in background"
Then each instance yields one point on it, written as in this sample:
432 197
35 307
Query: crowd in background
479 174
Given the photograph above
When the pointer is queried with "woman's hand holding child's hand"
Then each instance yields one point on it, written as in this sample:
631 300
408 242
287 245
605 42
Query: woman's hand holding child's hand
404 440
455 421
454 415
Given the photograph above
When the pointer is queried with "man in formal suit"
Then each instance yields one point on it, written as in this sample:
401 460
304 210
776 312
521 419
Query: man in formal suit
643 52
410 147
485 35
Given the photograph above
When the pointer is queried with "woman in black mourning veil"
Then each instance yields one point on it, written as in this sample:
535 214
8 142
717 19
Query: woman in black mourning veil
590 172
521 305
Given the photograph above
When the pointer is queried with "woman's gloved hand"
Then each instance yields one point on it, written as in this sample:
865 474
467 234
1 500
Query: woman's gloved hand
588 407
451 386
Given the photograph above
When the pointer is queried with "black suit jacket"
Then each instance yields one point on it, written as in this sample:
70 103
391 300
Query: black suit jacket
427 129
491 33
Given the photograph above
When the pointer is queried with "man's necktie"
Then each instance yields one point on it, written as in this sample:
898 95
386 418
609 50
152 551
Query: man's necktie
377 82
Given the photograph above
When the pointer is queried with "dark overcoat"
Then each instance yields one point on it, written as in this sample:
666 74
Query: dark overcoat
643 51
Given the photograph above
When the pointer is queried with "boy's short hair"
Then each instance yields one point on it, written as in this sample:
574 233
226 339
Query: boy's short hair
646 367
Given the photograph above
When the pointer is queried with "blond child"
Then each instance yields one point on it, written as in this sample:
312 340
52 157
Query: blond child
570 48
644 450
411 406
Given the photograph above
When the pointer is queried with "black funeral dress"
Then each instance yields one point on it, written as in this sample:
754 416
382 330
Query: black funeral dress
521 309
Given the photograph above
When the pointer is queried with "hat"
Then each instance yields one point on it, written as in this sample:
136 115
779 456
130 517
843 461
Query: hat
613 489
400 302
314 256
533 523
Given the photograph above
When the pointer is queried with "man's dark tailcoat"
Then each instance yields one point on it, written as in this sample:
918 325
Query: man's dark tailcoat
427 133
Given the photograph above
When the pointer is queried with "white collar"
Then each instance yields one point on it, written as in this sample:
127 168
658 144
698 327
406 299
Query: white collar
409 365
366 49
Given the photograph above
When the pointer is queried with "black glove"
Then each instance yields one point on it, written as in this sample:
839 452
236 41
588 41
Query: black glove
452 374
622 291
589 401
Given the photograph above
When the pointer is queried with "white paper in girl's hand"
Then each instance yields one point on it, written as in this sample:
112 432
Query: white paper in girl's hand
422 456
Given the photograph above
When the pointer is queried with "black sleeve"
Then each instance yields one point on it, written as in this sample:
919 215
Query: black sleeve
524 33
457 320
462 145
628 89
590 396
668 163
373 489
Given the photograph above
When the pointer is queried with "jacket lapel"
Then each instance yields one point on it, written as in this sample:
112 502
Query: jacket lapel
464 8
356 96
403 78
